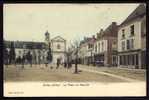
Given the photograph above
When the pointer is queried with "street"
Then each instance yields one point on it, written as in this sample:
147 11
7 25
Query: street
86 74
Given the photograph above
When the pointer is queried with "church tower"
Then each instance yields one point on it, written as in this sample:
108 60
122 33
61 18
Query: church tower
47 38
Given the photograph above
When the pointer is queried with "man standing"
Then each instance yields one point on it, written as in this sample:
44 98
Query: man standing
29 58
23 60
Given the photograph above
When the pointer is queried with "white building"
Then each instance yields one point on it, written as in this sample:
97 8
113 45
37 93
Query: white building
58 46
130 39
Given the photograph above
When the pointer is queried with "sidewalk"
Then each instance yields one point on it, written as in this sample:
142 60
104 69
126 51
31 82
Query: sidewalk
121 73
111 75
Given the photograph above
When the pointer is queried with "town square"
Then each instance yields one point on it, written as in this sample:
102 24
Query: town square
75 43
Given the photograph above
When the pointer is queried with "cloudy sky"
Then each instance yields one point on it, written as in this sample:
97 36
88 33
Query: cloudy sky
29 22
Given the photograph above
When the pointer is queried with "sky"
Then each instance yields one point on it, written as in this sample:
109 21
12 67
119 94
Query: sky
29 22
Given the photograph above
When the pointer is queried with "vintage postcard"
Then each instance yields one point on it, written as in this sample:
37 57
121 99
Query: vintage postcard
67 50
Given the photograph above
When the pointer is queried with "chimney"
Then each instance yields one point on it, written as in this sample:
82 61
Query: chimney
114 23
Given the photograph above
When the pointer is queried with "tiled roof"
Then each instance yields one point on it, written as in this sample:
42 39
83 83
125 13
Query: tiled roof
139 11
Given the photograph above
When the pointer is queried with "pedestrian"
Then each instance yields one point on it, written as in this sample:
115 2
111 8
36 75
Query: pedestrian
58 63
23 61
65 64
46 60
70 64
29 58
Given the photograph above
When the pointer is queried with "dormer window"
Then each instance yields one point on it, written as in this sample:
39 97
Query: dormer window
132 30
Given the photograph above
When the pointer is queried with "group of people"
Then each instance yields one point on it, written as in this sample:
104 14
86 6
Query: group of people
9 59
27 58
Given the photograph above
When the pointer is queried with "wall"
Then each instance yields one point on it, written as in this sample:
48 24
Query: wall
62 46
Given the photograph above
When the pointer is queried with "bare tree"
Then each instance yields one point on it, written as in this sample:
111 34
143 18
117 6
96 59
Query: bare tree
76 44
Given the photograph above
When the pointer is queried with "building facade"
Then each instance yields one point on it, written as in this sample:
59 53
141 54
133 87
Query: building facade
86 49
37 49
58 47
132 39
105 52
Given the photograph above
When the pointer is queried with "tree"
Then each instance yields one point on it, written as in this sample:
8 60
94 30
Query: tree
12 53
76 53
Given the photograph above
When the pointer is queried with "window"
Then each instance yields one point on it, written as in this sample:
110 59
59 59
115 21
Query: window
123 45
131 44
19 51
128 44
132 30
120 60
123 33
96 48
114 43
133 59
102 46
123 36
136 59
99 46
90 46
58 46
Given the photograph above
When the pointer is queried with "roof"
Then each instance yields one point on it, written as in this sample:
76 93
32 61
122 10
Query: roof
58 38
25 44
138 12
111 30
87 40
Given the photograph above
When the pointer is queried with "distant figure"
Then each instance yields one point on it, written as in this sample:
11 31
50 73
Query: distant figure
65 64
18 60
23 61
69 64
58 63
46 61
29 58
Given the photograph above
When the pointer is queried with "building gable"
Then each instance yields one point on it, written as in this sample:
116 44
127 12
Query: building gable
138 12
58 39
